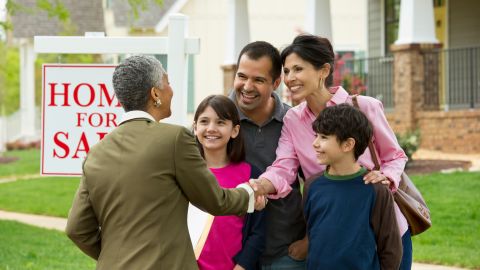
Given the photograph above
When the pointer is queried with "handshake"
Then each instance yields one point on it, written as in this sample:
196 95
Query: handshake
261 187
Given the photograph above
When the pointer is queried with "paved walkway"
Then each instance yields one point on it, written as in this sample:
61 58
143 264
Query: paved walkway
429 154
55 223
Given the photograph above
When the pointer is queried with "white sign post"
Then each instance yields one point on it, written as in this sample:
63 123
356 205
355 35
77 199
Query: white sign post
177 46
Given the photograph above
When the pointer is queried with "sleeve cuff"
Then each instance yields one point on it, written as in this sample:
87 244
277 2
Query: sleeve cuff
251 197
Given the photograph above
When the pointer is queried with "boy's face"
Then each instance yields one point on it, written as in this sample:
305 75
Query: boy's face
328 149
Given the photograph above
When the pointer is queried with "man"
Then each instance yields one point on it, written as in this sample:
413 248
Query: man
261 112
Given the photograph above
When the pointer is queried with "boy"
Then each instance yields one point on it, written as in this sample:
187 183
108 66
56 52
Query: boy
350 225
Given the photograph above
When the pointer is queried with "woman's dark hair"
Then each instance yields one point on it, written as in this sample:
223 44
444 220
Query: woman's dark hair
226 110
314 49
345 121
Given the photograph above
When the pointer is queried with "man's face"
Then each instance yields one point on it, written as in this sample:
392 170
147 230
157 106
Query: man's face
253 83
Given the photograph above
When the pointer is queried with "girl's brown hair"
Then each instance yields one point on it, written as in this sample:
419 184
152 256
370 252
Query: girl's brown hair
226 110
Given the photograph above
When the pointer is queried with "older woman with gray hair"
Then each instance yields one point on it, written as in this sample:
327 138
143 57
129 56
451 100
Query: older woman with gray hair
130 211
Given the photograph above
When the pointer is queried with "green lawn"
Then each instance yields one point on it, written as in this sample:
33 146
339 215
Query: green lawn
28 163
26 247
454 203
50 196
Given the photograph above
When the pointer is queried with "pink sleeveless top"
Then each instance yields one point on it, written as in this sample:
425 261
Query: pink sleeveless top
224 240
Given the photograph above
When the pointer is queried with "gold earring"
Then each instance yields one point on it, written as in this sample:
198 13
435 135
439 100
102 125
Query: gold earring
157 103
321 83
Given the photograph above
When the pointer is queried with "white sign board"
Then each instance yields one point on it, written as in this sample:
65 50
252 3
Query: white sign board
79 108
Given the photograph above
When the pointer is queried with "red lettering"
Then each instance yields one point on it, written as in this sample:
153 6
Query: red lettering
61 145
101 135
76 98
104 91
82 143
98 122
64 94
80 118
112 120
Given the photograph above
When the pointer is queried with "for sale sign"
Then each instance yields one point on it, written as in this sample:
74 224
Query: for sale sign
79 108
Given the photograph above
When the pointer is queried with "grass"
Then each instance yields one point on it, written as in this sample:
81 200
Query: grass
50 196
454 238
28 163
26 247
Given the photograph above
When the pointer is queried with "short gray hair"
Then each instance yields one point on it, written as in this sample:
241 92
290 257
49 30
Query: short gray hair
134 78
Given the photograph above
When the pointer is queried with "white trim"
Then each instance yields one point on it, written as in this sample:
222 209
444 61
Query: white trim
175 8
99 45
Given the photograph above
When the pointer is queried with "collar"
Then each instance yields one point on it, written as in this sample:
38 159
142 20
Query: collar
340 96
278 114
135 115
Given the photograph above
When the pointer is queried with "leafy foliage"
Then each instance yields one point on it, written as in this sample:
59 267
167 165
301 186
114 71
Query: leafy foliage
141 5
9 80
343 75
409 142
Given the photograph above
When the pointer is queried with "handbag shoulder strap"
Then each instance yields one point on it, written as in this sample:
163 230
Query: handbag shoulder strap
371 146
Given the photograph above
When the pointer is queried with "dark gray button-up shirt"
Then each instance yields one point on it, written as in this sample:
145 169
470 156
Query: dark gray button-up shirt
285 222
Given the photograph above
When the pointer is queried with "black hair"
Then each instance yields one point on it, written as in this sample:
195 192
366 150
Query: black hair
226 110
259 49
314 49
345 121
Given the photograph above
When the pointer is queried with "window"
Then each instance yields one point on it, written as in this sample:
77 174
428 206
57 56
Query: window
392 15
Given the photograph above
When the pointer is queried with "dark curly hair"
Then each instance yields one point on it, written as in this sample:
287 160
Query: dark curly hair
345 121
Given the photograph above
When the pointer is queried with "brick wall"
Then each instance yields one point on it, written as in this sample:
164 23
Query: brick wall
451 132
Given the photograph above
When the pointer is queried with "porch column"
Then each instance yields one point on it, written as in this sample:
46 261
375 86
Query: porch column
412 61
318 20
27 90
238 35
417 23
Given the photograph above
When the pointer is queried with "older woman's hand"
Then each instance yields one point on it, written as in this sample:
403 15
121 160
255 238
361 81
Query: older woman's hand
376 177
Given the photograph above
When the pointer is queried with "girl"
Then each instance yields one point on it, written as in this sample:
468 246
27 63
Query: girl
233 242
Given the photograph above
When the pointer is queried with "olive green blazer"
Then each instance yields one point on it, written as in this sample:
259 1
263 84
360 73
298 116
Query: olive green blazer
130 210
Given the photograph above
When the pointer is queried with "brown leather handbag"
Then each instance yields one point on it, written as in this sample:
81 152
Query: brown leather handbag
407 196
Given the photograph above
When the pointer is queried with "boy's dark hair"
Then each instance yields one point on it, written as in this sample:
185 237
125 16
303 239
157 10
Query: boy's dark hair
345 121
226 110
314 49
258 49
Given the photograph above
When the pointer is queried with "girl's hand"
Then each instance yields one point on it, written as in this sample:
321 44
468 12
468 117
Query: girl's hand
376 177
238 267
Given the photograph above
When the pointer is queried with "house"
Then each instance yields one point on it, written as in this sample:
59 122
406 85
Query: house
224 27
424 63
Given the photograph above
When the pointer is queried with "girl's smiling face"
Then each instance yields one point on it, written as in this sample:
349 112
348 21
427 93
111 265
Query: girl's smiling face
213 132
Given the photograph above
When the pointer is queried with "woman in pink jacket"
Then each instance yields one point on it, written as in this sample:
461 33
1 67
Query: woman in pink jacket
308 66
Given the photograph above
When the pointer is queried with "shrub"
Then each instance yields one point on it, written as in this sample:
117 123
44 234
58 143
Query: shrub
409 142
